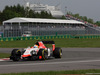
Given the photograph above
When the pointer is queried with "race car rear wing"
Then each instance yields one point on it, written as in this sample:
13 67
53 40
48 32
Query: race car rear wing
40 43
48 42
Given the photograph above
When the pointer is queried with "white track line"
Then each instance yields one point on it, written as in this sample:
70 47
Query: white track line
51 63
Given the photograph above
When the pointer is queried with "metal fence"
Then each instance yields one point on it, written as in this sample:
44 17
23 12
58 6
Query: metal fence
51 31
48 29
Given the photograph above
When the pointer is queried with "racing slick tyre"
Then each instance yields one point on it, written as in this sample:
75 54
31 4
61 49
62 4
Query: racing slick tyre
15 55
43 54
57 53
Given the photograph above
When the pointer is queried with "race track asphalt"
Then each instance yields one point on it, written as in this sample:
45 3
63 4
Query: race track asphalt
73 59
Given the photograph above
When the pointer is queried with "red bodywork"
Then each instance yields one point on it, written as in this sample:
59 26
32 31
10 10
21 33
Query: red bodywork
53 47
41 45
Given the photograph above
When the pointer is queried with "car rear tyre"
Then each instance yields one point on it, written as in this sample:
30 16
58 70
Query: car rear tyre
15 55
43 53
57 53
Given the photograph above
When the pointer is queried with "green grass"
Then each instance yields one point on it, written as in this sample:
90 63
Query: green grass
4 55
93 43
83 72
59 43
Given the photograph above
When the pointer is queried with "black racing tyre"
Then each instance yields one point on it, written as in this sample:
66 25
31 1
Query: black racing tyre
57 53
15 55
43 53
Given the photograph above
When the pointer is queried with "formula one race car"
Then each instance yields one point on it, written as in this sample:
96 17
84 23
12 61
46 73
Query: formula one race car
38 51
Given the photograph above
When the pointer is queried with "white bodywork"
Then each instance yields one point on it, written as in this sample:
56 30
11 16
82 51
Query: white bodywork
29 51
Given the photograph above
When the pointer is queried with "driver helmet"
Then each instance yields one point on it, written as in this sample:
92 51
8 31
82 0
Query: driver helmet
35 46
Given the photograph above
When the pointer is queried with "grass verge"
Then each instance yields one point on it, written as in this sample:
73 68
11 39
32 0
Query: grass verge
4 55
59 43
78 72
93 43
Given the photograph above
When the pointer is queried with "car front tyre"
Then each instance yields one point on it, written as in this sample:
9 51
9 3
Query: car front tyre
15 55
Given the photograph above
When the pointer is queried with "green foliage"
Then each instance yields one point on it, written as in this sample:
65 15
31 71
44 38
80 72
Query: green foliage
11 12
19 11
84 18
90 20
59 43
71 72
76 15
63 17
98 23
4 55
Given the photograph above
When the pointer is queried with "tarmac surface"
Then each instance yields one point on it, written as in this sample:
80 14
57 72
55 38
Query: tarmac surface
72 59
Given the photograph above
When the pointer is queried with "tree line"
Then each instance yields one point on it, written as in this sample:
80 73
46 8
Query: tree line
84 18
19 11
